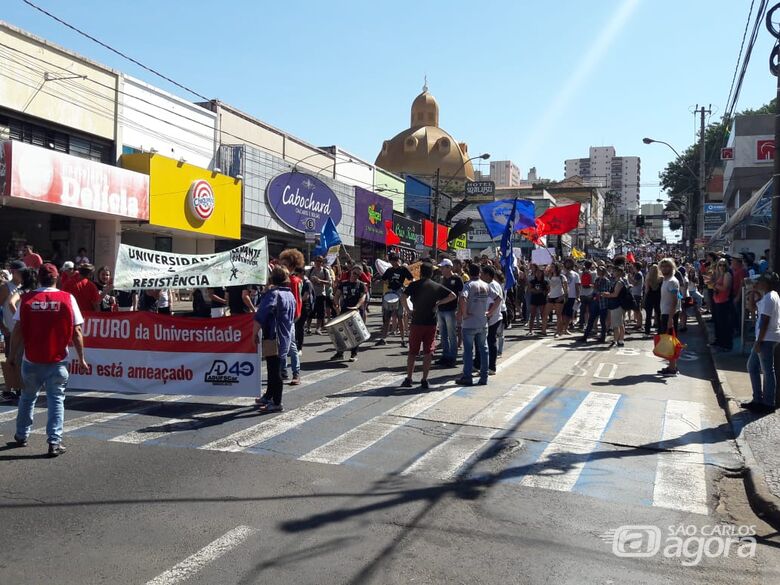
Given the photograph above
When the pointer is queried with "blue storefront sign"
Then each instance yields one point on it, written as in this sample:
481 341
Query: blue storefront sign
302 202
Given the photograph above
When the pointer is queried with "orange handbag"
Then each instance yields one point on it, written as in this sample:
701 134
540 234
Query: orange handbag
667 346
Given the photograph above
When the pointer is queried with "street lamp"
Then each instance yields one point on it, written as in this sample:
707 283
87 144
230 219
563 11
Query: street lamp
437 197
698 180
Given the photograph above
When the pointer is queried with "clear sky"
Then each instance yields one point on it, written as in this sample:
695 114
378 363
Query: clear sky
534 82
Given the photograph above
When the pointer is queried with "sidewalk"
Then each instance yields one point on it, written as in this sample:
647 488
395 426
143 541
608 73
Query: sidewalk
757 436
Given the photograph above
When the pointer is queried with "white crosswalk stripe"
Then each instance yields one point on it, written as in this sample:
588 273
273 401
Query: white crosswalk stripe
564 458
444 460
99 418
680 480
363 436
284 422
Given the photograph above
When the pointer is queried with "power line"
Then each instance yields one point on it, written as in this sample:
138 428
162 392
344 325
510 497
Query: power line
113 50
739 56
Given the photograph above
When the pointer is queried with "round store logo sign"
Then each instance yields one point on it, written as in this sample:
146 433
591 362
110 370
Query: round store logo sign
201 200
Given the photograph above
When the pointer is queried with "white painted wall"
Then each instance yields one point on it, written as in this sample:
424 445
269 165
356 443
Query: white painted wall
152 118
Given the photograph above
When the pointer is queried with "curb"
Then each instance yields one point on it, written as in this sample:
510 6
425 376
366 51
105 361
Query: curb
764 503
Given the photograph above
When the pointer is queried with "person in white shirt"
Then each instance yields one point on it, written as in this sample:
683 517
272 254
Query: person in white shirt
670 306
488 275
762 355
573 281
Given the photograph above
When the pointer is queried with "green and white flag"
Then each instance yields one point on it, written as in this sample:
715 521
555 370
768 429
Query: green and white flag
139 268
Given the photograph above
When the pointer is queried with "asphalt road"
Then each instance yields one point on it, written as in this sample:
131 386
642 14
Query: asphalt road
536 478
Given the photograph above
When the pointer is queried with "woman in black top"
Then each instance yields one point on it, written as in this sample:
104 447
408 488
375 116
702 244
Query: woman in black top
538 287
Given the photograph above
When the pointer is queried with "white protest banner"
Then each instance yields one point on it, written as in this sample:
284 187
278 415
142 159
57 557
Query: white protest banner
543 256
151 353
139 268
464 254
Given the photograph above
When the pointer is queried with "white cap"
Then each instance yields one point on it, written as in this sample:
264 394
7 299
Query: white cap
445 262
68 265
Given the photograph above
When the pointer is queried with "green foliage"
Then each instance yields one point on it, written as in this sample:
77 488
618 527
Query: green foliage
678 178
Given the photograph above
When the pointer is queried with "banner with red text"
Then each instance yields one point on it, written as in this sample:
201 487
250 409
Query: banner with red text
158 354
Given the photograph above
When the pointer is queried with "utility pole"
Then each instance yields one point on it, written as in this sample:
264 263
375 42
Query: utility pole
436 200
695 203
774 67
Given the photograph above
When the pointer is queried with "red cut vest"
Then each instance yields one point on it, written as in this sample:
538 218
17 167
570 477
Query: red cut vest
47 322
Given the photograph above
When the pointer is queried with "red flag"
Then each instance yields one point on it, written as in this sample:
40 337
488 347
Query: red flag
531 234
443 231
558 220
391 238
630 257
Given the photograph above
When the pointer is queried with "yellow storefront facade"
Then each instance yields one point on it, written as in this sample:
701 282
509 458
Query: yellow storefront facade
192 210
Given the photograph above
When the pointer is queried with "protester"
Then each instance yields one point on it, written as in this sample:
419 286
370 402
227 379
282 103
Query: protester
426 296
538 288
447 318
307 306
126 300
292 259
762 354
652 298
599 307
240 299
81 257
351 296
670 306
163 301
722 307
556 298
586 292
321 279
574 290
395 278
488 274
103 284
84 290
620 288
274 318
476 302
31 259
738 276
48 320
68 271
27 283
17 268
636 283
218 300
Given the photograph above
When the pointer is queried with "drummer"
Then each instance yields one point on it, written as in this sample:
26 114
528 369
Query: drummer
396 277
351 295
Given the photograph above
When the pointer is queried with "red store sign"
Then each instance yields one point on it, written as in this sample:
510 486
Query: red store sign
38 174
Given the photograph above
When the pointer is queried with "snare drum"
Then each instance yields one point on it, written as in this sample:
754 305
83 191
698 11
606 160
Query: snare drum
390 302
347 331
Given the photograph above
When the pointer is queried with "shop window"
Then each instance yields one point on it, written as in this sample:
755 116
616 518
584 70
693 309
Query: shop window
163 244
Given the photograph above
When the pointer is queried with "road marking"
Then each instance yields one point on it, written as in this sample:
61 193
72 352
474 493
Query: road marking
362 437
209 553
561 463
11 414
504 364
446 458
314 377
282 423
139 436
680 478
98 418
610 374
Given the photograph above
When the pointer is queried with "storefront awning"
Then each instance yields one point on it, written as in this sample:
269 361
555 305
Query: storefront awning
757 211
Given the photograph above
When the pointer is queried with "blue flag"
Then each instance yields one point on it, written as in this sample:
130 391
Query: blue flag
495 215
507 259
329 237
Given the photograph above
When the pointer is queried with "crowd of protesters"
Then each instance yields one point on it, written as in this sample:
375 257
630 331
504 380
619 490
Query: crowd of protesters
462 303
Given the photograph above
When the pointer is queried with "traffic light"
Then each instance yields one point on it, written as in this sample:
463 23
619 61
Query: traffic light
640 221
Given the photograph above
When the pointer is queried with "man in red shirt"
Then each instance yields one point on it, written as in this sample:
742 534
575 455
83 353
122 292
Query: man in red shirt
80 285
48 320
31 259
67 272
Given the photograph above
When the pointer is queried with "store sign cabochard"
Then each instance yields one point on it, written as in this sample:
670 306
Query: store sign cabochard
296 198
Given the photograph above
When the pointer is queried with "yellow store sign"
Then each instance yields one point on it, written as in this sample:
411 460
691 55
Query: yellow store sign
189 198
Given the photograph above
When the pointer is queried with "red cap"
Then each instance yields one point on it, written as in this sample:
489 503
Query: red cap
48 270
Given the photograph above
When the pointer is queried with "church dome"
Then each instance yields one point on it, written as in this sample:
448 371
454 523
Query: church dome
424 146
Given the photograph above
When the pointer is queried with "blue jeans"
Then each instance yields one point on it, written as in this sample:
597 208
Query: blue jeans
596 312
763 362
53 378
470 336
295 360
449 336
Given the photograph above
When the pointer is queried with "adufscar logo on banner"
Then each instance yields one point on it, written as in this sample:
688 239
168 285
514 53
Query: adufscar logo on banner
138 268
146 352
